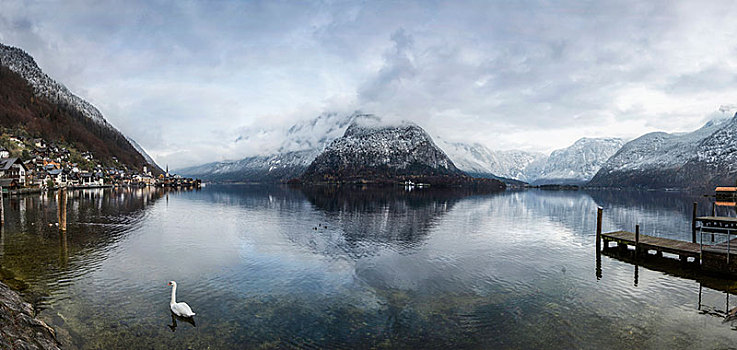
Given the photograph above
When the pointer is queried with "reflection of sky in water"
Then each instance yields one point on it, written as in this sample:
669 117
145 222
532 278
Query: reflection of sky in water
270 266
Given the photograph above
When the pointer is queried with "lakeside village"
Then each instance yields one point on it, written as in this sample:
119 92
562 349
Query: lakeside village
30 165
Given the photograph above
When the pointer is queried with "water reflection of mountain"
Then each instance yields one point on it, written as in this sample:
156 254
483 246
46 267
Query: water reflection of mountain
34 252
666 214
658 213
372 218
565 208
252 196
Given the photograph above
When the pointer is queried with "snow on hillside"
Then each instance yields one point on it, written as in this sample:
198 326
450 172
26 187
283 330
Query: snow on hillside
300 144
477 159
700 159
574 164
315 134
661 150
22 63
372 150
578 162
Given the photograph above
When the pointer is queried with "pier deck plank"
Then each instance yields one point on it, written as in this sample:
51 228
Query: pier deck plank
649 242
717 219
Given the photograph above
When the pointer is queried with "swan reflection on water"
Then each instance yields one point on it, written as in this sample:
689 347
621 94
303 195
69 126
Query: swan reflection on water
174 318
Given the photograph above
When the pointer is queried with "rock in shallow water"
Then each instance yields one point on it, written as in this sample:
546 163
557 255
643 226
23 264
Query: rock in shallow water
18 328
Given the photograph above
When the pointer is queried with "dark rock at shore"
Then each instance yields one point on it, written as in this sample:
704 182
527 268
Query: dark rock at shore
18 328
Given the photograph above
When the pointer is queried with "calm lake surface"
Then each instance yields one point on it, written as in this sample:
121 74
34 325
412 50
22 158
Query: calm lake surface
274 267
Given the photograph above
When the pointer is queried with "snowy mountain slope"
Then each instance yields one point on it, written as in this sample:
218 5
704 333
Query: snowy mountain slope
316 134
302 142
478 160
372 151
22 63
369 148
577 163
272 168
44 108
572 165
702 158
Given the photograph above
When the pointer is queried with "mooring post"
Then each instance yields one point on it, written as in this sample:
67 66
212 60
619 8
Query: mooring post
599 211
637 240
598 243
58 205
61 208
693 223
714 209
2 207
63 223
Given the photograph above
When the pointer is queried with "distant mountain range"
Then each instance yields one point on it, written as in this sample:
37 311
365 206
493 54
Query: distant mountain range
329 145
578 163
306 140
478 160
44 108
700 159
574 165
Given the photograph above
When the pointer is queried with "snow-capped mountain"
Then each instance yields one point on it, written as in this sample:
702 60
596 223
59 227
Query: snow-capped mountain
22 63
372 151
577 163
369 149
315 134
276 167
73 119
302 142
703 158
478 160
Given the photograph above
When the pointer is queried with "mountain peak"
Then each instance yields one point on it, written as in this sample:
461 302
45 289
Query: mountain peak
14 55
23 64
698 159
74 119
367 124
374 151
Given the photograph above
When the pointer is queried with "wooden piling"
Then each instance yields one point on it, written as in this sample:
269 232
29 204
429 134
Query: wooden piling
58 205
62 207
637 240
693 223
599 211
2 207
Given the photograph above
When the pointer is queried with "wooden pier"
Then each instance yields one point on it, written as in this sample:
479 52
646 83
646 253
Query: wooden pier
646 243
708 254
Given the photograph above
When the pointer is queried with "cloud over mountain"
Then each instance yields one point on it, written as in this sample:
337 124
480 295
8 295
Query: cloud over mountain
186 78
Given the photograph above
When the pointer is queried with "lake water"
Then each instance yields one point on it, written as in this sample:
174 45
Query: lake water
274 267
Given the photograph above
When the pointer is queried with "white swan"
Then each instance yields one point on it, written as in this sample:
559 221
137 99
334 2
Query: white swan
179 309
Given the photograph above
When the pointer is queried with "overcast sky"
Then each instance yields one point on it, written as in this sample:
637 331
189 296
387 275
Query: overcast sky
185 79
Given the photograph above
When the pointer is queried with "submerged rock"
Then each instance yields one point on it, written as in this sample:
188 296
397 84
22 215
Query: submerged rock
18 328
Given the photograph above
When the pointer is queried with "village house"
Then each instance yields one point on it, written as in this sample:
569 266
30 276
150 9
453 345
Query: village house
13 168
59 177
51 165
91 179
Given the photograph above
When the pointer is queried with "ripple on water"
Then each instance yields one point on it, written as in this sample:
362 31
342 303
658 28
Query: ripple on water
284 268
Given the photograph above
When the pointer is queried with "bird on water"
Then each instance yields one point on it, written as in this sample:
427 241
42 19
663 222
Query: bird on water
179 309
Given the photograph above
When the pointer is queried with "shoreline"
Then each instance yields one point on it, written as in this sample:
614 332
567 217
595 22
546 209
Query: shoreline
19 328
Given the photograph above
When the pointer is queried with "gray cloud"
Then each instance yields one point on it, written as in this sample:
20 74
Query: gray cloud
186 79
398 66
